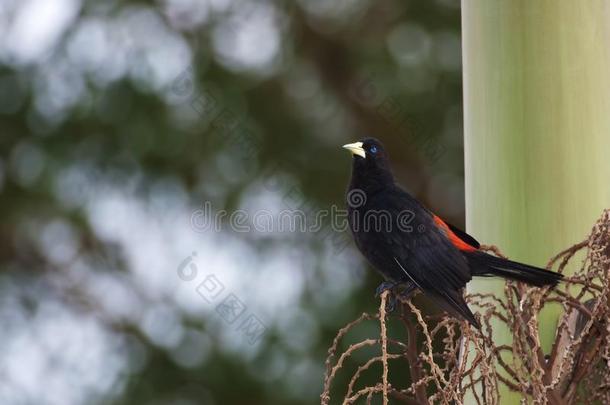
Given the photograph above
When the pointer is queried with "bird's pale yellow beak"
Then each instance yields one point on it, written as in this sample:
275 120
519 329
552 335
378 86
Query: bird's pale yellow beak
356 149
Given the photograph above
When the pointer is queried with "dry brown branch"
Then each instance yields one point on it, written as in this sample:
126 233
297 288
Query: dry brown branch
384 346
450 362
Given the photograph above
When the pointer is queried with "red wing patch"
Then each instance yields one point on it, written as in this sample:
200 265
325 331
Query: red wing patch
453 238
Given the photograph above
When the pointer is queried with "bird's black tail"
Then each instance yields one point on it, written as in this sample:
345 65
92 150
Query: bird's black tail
483 264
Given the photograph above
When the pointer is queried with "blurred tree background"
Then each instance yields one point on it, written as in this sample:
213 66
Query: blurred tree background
125 125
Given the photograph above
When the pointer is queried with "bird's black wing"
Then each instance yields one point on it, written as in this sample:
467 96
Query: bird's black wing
428 258
463 236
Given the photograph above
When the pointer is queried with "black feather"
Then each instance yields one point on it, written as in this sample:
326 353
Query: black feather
486 265
422 254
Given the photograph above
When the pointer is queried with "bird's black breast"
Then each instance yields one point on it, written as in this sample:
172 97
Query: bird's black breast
399 238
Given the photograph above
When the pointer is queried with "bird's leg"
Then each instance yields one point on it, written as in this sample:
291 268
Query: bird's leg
405 294
409 288
391 304
401 292
386 285
408 291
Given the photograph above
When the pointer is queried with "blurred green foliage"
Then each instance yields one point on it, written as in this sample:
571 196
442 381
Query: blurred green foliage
118 120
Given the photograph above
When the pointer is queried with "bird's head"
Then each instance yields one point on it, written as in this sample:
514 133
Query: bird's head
370 159
369 151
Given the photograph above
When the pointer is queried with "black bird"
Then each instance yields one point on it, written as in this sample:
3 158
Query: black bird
413 248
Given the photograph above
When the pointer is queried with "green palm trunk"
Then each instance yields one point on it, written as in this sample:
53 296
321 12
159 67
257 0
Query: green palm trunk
537 128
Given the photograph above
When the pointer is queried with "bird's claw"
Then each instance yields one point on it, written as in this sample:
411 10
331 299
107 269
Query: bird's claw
386 285
408 291
395 296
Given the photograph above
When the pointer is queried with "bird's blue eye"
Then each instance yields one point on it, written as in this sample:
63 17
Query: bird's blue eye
373 149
